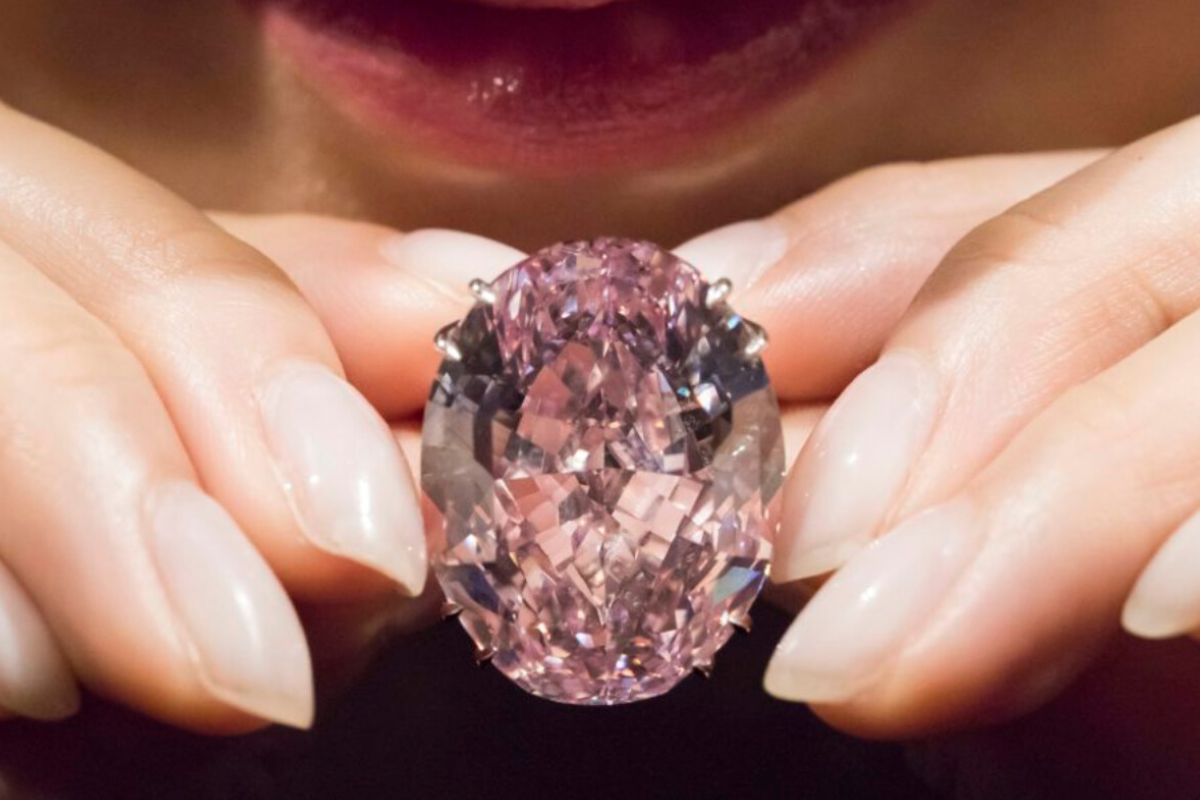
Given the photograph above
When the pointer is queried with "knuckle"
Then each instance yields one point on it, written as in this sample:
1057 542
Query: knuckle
172 273
1131 300
189 250
1022 235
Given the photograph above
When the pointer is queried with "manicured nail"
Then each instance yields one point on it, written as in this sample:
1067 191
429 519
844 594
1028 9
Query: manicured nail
243 634
741 252
35 679
449 258
861 619
851 470
1165 601
351 490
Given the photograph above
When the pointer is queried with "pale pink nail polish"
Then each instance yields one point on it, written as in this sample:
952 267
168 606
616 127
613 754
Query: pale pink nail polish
857 461
863 616
237 622
348 483
35 679
450 258
1165 602
742 252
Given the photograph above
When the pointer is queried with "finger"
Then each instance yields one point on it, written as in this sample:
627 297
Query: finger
153 593
35 680
242 363
381 295
987 604
830 275
1032 302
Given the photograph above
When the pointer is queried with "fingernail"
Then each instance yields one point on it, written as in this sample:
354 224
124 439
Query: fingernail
862 617
1165 601
35 680
741 252
343 472
449 258
243 633
851 470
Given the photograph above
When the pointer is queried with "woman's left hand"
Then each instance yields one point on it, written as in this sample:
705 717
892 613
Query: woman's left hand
1026 446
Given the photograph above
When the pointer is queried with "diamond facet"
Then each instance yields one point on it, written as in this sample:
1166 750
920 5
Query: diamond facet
601 464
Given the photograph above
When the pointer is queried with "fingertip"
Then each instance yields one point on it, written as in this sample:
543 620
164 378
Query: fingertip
849 636
238 627
741 252
1165 600
1144 618
35 679
348 484
451 259
54 696
786 680
794 564
293 707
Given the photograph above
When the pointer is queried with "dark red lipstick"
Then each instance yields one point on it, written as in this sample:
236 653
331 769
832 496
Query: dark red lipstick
564 89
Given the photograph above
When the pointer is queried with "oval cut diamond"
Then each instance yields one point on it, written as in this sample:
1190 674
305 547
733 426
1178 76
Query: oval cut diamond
601 463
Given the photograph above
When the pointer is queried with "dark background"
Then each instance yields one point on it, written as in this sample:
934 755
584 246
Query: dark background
425 722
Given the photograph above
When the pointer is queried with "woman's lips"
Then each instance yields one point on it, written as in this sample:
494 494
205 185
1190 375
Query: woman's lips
546 3
562 90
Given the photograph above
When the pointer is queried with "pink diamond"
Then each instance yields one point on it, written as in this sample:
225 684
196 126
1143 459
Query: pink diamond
602 459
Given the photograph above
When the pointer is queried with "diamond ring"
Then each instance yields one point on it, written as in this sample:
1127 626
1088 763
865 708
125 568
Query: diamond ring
601 465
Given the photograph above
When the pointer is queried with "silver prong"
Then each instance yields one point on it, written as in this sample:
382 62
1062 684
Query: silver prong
444 340
483 291
705 668
450 609
484 655
758 342
742 622
717 291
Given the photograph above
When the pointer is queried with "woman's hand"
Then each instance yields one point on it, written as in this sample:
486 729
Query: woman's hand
179 444
1025 445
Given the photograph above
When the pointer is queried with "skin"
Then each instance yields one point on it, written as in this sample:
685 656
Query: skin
132 312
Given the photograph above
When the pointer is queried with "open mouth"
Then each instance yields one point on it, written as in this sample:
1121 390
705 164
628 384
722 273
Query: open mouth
578 86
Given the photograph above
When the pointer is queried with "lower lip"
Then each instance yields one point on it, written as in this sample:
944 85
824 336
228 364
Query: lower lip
558 90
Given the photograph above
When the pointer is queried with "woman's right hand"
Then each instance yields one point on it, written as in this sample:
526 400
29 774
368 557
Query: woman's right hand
180 447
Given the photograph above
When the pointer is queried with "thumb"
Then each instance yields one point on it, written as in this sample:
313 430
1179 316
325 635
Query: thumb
381 294
829 276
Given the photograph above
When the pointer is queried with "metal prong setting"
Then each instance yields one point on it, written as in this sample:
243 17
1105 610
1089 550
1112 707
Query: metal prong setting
483 291
742 622
758 342
443 340
450 609
484 655
705 668
717 291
